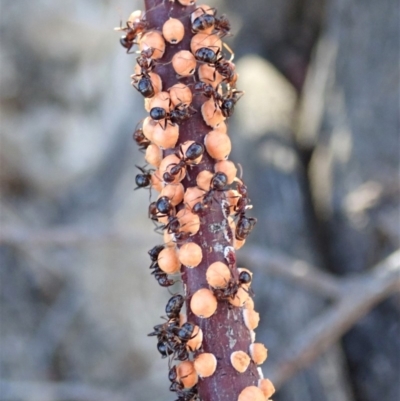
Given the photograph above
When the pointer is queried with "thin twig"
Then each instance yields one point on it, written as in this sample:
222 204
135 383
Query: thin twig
359 295
299 271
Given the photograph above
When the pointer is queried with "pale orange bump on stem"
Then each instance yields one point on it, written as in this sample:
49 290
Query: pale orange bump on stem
205 364
249 304
190 254
240 298
173 31
212 115
167 163
240 361
153 155
251 318
187 374
155 40
200 40
184 63
203 303
148 128
180 94
208 75
161 99
156 182
192 196
251 393
232 196
168 260
189 222
237 244
218 275
165 137
227 167
266 386
197 339
218 145
187 2
258 353
135 16
174 192
203 179
168 239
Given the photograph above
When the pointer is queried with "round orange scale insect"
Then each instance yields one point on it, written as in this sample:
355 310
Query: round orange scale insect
187 2
192 196
155 40
212 115
240 361
180 94
203 303
135 16
153 155
251 393
168 239
148 128
190 254
187 374
218 275
249 304
251 318
240 298
161 99
167 137
266 386
205 364
208 75
168 260
197 339
173 31
258 353
227 167
189 222
237 244
218 145
174 192
156 182
203 179
200 40
184 63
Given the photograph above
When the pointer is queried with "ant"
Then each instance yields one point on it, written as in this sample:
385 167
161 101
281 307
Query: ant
142 81
161 277
229 292
179 114
220 24
244 226
161 208
193 152
143 180
225 103
218 184
140 139
133 30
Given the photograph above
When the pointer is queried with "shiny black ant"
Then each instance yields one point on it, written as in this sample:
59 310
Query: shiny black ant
218 183
232 287
221 24
142 81
133 30
193 152
140 139
180 113
244 226
143 180
162 278
162 207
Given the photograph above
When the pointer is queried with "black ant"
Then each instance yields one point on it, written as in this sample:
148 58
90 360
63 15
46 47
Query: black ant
232 287
228 103
244 226
193 152
179 114
133 30
218 184
162 207
161 277
221 24
142 81
143 180
140 139
174 307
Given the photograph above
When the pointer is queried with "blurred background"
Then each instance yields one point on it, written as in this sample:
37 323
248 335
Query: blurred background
317 136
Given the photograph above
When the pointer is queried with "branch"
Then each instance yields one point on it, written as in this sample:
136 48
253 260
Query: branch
359 294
